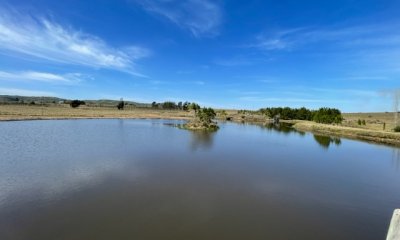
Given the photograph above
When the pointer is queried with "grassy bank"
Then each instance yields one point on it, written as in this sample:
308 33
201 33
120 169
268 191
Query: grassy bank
370 135
26 112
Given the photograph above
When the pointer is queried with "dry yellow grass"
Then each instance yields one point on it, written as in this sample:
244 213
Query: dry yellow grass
377 136
25 112
374 121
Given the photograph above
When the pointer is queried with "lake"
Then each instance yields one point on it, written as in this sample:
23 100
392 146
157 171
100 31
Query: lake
145 179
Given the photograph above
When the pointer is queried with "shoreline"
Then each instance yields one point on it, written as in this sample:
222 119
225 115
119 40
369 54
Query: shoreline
367 135
33 113
89 118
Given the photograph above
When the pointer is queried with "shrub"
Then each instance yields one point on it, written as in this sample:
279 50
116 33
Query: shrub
328 115
76 103
287 113
206 115
169 105
121 105
397 129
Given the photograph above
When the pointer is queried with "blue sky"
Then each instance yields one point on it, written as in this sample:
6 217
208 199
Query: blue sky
231 54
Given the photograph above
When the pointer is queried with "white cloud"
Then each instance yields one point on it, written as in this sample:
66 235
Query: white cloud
345 36
286 100
23 35
25 92
199 82
200 17
345 91
68 78
364 78
233 62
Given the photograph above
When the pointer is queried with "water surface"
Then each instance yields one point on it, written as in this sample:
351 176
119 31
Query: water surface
143 179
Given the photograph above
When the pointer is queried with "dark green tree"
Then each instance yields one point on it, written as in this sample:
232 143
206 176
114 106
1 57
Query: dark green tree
76 103
169 105
194 106
121 105
328 116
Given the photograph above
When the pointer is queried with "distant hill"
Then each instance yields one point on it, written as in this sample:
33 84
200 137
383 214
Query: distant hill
7 99
24 99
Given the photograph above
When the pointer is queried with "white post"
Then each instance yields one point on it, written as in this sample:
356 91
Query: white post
394 228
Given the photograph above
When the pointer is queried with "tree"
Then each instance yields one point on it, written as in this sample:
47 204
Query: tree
121 104
186 106
76 103
180 105
194 106
206 115
287 113
169 105
328 115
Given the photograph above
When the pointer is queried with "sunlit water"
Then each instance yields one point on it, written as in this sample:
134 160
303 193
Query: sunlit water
144 179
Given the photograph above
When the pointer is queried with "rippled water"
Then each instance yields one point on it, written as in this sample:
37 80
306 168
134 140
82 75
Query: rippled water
144 179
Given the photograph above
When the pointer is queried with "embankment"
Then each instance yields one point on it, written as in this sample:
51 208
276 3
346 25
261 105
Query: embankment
382 137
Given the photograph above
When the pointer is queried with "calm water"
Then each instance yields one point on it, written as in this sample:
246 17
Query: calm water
143 179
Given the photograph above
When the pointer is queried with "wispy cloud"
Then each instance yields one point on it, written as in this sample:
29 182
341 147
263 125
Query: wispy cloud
233 62
184 72
345 36
345 91
25 92
69 78
279 40
200 17
198 82
364 78
283 100
23 35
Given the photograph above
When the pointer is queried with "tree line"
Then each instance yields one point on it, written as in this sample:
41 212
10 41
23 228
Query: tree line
322 115
176 106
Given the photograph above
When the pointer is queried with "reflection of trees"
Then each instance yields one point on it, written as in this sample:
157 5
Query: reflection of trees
282 128
325 141
201 139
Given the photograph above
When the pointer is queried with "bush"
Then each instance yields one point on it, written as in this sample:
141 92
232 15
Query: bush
169 105
287 113
206 115
76 103
328 116
121 105
397 129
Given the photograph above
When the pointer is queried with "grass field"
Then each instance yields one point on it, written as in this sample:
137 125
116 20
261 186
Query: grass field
25 112
374 121
370 135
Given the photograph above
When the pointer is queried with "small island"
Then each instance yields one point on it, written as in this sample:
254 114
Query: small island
203 120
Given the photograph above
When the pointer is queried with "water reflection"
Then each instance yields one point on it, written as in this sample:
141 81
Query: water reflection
325 141
201 139
139 179
281 128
